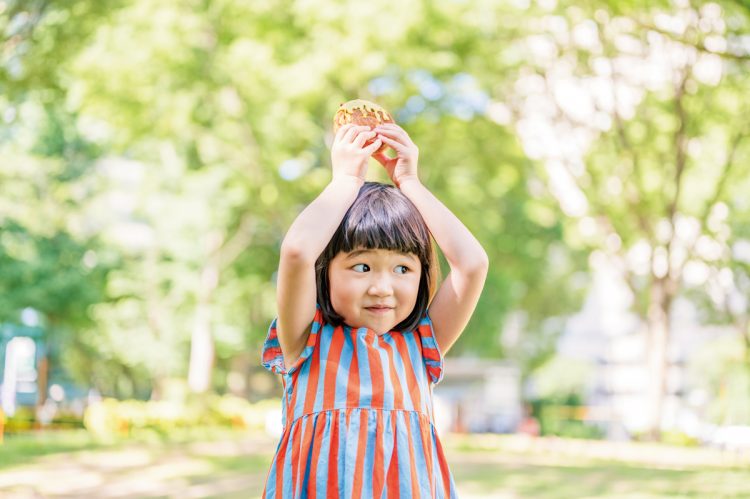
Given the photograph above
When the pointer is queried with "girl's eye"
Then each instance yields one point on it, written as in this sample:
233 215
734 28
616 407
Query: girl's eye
402 269
361 267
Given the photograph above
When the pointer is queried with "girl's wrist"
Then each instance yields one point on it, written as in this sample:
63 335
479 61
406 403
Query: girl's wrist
347 180
407 181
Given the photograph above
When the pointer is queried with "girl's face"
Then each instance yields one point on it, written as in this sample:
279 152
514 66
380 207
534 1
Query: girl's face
374 288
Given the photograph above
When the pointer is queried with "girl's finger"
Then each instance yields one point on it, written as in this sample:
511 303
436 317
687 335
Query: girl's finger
398 146
373 147
352 133
349 135
341 131
390 127
364 137
395 133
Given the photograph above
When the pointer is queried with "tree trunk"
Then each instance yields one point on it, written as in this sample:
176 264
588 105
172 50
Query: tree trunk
42 380
658 341
202 341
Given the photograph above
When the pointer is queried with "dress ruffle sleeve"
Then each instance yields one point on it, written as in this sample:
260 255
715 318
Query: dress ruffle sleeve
272 356
433 358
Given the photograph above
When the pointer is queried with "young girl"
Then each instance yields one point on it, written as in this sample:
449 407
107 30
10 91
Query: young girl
362 328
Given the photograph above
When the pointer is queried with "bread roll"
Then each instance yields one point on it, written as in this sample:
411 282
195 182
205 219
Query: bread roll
361 112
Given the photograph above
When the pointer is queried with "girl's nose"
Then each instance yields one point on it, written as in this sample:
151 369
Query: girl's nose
380 287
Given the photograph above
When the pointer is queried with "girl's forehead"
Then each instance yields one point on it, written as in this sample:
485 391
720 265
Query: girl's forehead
375 253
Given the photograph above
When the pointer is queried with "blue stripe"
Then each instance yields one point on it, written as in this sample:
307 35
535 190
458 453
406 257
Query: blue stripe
321 467
365 381
404 463
325 347
401 373
285 400
419 459
303 478
271 342
301 389
369 461
270 491
352 437
342 451
436 468
342 374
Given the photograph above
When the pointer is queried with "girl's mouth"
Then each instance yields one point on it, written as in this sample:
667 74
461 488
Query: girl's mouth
378 310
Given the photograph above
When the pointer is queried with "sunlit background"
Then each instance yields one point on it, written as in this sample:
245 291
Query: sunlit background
153 154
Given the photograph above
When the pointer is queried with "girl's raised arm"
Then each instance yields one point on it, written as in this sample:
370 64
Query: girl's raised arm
459 293
310 233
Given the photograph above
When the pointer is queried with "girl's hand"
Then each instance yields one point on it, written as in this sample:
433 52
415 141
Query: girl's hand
348 155
404 166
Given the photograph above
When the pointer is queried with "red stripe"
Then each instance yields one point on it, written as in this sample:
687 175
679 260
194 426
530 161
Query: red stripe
292 400
271 353
280 465
376 376
379 464
412 461
333 459
352 385
392 475
304 451
332 369
361 451
295 457
411 378
428 352
427 451
431 353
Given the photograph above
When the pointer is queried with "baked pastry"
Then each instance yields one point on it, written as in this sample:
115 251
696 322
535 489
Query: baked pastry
361 112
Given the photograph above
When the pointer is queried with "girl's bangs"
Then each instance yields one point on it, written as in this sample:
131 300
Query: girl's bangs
401 237
393 226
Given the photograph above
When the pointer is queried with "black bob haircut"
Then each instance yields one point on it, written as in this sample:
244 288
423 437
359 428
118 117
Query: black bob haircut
381 217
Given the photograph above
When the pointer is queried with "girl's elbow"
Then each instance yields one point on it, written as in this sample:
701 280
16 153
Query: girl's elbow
484 261
479 265
295 253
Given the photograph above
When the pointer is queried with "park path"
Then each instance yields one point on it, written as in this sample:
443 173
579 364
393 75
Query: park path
193 470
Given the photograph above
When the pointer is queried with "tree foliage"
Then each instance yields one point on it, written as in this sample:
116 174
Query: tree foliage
177 140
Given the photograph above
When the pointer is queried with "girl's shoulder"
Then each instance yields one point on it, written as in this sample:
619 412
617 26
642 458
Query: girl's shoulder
272 357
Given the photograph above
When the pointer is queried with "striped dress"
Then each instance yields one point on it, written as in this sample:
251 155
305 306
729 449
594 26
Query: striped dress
358 416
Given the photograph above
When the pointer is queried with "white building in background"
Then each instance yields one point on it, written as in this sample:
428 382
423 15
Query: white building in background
478 395
613 340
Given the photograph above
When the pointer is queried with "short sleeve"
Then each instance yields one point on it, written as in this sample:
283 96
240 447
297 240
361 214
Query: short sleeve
433 359
272 357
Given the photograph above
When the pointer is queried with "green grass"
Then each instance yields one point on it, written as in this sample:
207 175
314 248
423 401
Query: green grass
525 480
23 448
233 464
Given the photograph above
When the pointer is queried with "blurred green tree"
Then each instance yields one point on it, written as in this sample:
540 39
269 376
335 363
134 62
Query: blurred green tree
224 112
637 118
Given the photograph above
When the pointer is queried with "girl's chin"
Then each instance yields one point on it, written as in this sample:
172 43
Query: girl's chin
378 328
